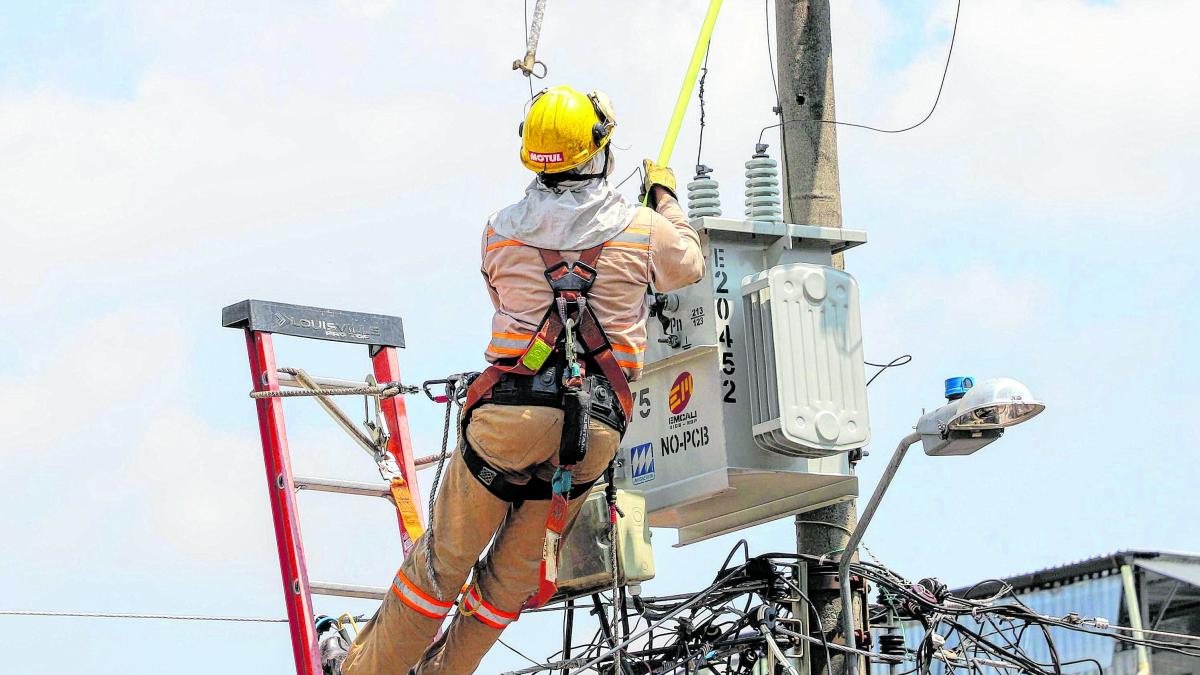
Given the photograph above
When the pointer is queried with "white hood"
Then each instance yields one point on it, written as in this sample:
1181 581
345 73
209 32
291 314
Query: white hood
571 216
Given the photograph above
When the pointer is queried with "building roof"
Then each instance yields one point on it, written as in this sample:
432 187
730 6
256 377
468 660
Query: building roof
1087 569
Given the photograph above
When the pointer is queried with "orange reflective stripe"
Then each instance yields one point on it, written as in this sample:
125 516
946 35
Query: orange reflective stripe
628 356
486 612
510 344
631 237
514 336
506 351
626 244
502 244
628 349
419 600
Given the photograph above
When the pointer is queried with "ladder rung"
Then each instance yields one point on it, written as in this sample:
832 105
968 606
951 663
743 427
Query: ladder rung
346 487
348 590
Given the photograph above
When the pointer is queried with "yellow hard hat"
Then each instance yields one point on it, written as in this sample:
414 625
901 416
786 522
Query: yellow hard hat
564 129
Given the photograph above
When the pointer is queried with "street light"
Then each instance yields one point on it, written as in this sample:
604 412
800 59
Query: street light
975 416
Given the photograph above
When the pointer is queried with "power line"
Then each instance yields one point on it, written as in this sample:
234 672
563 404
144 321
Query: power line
700 95
161 617
936 100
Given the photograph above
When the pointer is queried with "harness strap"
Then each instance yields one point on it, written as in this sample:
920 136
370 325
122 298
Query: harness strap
570 283
537 489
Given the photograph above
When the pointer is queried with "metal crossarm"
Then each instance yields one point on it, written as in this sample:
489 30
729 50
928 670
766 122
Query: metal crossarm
383 335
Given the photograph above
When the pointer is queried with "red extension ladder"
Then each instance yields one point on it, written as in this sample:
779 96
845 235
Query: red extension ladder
383 335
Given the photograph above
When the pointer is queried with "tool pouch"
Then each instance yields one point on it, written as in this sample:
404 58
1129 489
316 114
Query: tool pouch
576 418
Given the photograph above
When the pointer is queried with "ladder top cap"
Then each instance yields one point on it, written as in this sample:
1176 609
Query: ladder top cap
317 323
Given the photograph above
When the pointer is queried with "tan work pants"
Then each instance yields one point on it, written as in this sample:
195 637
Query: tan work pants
520 441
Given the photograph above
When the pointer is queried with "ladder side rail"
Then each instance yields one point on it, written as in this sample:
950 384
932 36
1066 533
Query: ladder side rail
386 364
285 517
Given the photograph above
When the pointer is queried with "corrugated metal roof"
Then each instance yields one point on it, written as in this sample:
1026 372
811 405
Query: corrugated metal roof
1098 566
1187 571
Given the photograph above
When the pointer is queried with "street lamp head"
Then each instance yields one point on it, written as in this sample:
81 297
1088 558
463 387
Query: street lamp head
996 404
976 415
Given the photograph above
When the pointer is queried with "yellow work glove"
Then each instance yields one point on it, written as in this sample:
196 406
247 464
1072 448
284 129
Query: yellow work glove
656 175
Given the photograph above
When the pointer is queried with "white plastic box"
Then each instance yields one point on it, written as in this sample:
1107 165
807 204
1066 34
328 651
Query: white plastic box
808 396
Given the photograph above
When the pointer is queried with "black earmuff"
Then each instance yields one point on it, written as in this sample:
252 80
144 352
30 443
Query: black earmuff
604 126
521 129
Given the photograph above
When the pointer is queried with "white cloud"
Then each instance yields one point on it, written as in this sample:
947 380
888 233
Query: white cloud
203 491
1066 107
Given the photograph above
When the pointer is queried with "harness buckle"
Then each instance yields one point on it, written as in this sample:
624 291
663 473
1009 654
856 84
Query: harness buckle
577 277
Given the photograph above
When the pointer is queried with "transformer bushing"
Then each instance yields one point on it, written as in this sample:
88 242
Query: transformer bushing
703 198
762 187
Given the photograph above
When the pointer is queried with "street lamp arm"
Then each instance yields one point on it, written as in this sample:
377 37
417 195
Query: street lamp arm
856 536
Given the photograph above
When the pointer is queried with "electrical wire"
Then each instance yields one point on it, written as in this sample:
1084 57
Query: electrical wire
932 108
517 652
157 617
700 96
902 360
636 170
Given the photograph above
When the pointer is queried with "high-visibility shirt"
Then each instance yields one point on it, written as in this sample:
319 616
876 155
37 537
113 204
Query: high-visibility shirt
658 249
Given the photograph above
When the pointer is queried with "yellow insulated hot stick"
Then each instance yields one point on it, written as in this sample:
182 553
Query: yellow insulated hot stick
689 83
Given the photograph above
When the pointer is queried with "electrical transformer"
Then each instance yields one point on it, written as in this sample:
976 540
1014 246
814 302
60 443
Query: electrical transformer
753 391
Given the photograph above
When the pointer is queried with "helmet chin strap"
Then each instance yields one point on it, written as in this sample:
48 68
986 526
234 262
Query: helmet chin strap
552 180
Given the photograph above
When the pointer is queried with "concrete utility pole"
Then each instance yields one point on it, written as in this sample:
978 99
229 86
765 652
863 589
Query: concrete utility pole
812 196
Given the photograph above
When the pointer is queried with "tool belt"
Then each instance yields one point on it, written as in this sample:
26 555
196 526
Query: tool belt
539 390
543 389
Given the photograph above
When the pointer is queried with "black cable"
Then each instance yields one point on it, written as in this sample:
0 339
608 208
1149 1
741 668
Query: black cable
700 94
903 360
938 98
636 170
518 653
742 544
771 56
711 628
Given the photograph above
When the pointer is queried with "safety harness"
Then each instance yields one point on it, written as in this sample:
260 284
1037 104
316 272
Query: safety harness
553 370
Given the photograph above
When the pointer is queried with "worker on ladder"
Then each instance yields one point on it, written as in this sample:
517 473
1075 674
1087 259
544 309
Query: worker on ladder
567 268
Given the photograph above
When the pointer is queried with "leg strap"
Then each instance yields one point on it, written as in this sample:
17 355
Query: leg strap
493 479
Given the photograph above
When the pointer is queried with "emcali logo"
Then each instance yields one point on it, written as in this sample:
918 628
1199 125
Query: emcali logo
681 393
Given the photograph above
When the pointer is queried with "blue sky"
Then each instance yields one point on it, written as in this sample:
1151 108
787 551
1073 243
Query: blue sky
162 160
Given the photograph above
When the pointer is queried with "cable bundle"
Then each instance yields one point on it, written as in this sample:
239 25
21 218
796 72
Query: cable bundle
757 610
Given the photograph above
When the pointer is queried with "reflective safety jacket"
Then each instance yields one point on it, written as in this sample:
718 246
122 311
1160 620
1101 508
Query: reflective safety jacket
658 249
